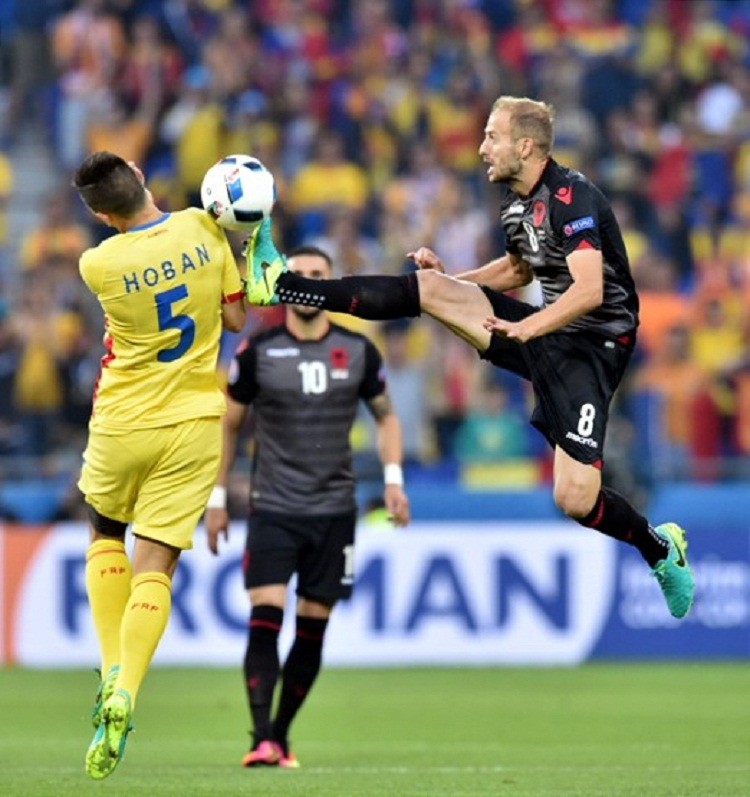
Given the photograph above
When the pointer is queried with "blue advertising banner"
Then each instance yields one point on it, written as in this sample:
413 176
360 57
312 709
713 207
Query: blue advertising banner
437 593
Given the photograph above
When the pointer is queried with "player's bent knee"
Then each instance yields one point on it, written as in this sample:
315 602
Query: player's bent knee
576 501
268 595
105 525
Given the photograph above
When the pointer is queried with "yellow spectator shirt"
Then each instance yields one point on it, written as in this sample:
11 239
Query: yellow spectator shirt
6 189
200 146
318 186
161 286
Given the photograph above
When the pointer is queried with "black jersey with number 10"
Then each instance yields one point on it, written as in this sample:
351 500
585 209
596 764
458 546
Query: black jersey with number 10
305 394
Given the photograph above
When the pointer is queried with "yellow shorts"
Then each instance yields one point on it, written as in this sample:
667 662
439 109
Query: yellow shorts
157 479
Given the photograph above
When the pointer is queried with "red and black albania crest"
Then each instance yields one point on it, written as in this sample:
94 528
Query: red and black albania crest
339 358
539 211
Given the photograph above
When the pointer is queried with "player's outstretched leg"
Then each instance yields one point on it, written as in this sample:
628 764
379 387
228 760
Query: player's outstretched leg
108 745
103 693
268 281
673 572
265 265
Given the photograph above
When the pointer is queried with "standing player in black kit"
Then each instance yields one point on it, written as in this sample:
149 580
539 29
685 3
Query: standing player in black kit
574 349
305 380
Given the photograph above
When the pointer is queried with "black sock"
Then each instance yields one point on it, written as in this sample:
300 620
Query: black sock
262 666
300 670
614 516
376 298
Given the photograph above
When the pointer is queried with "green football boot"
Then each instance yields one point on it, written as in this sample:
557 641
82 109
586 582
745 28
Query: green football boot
673 572
103 693
108 745
265 264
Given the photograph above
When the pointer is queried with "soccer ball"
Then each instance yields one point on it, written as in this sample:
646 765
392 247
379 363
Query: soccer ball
238 192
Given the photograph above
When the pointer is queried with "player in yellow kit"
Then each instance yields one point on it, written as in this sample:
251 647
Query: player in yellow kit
167 284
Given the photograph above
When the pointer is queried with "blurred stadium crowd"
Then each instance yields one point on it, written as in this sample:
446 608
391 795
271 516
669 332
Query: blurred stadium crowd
369 113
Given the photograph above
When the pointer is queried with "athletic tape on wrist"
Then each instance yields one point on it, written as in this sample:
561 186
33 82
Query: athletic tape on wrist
218 498
393 474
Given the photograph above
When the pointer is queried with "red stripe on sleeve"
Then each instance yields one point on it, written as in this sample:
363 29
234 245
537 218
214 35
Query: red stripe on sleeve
584 245
109 344
233 297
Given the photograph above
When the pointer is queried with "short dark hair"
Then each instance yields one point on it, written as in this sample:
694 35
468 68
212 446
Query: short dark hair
107 184
313 251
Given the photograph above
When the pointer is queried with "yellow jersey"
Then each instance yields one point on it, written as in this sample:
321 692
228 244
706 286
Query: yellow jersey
161 286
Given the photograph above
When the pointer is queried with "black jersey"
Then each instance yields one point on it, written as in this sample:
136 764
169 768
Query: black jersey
305 394
564 212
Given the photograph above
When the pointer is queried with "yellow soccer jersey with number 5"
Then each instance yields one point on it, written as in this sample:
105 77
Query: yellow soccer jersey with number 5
161 286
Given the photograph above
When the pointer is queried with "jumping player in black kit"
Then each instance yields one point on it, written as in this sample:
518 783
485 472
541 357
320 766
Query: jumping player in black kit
574 349
304 380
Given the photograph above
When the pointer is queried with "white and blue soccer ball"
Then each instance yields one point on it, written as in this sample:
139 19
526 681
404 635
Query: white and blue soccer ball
239 192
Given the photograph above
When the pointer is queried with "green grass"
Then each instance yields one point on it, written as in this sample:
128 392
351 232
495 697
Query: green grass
645 730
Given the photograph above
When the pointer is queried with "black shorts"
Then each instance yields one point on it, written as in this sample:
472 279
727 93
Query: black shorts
319 549
574 376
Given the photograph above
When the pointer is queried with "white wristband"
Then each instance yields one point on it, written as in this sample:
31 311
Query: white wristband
218 498
393 474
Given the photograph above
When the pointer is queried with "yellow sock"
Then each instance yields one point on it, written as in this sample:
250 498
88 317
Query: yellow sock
108 576
143 624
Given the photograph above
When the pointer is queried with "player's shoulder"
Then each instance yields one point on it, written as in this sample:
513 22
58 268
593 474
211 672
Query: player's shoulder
102 251
269 334
263 337
197 217
109 243
194 221
195 214
557 175
351 335
96 261
565 183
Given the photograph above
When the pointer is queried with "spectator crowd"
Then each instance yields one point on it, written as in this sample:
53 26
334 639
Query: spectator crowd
369 113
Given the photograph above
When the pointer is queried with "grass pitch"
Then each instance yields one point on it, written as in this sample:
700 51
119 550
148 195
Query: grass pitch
611 729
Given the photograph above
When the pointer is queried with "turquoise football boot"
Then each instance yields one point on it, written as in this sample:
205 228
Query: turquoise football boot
265 264
673 572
